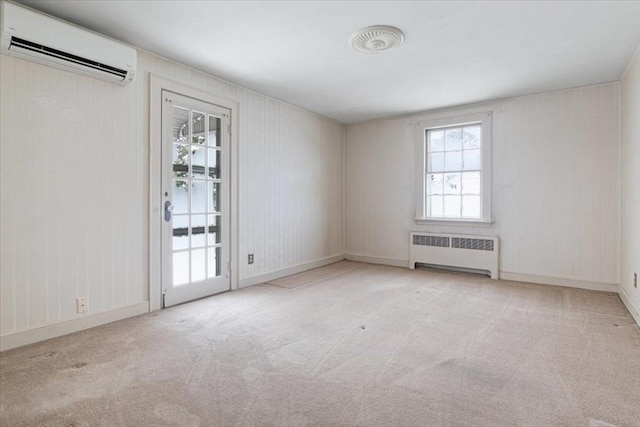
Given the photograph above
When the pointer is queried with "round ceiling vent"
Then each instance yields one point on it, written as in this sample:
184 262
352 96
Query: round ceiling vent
376 39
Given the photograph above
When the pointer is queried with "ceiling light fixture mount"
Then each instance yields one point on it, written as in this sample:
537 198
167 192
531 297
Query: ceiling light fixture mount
376 39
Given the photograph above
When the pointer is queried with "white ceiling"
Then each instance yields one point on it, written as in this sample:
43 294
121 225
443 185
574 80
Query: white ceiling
454 52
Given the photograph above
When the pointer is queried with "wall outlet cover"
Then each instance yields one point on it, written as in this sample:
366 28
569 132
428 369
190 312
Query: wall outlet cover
82 305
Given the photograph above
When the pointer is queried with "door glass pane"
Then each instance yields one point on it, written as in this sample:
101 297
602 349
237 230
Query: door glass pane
197 265
180 232
181 125
198 161
199 137
214 262
198 235
214 230
180 197
180 268
198 196
214 131
214 197
214 163
180 160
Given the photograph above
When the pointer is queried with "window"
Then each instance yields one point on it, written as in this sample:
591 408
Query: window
455 170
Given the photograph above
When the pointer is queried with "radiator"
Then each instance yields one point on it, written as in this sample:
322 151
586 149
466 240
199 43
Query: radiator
455 250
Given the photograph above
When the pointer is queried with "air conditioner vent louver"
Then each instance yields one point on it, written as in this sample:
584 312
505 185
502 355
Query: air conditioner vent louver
44 50
474 244
439 241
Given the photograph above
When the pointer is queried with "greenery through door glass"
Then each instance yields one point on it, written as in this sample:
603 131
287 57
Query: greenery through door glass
183 149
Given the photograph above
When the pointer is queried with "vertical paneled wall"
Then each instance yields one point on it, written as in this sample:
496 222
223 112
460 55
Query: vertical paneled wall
555 184
72 194
74 187
290 186
290 199
630 180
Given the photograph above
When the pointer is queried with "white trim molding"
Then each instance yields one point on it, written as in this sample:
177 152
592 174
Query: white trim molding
634 310
485 119
559 281
299 268
64 327
157 84
454 222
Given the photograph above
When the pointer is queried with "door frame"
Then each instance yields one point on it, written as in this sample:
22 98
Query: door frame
156 85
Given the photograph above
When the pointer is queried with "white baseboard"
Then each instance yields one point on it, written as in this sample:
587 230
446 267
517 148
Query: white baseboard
634 310
378 260
298 268
559 281
64 327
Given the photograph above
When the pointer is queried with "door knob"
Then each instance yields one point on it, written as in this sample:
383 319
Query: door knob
168 208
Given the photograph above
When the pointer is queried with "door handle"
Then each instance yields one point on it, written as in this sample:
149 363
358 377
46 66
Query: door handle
168 208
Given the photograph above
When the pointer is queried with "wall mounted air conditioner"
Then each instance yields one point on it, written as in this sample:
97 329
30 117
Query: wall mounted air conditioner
36 37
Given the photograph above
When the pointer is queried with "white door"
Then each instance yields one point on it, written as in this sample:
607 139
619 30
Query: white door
195 199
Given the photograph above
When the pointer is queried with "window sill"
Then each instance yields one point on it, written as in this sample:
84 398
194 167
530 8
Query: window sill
454 222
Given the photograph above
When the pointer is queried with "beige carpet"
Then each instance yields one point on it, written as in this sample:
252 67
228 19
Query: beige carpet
316 275
375 346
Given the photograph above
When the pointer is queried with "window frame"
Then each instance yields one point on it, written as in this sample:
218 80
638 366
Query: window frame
485 121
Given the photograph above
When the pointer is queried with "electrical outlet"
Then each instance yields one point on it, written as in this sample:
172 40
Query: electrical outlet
635 280
82 304
250 260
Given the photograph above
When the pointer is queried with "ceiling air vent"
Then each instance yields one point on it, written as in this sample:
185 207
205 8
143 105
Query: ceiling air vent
376 39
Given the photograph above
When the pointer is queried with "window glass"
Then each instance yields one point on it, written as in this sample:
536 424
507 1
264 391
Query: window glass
454 172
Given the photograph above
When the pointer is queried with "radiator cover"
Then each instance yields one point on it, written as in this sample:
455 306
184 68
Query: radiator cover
455 250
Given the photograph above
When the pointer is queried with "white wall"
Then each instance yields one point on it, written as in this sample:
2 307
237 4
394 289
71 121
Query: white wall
74 188
555 186
630 185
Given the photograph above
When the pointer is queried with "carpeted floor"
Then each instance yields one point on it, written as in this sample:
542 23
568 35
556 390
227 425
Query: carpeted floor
368 346
316 275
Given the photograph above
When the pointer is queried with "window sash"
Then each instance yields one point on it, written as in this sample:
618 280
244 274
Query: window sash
428 195
437 121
